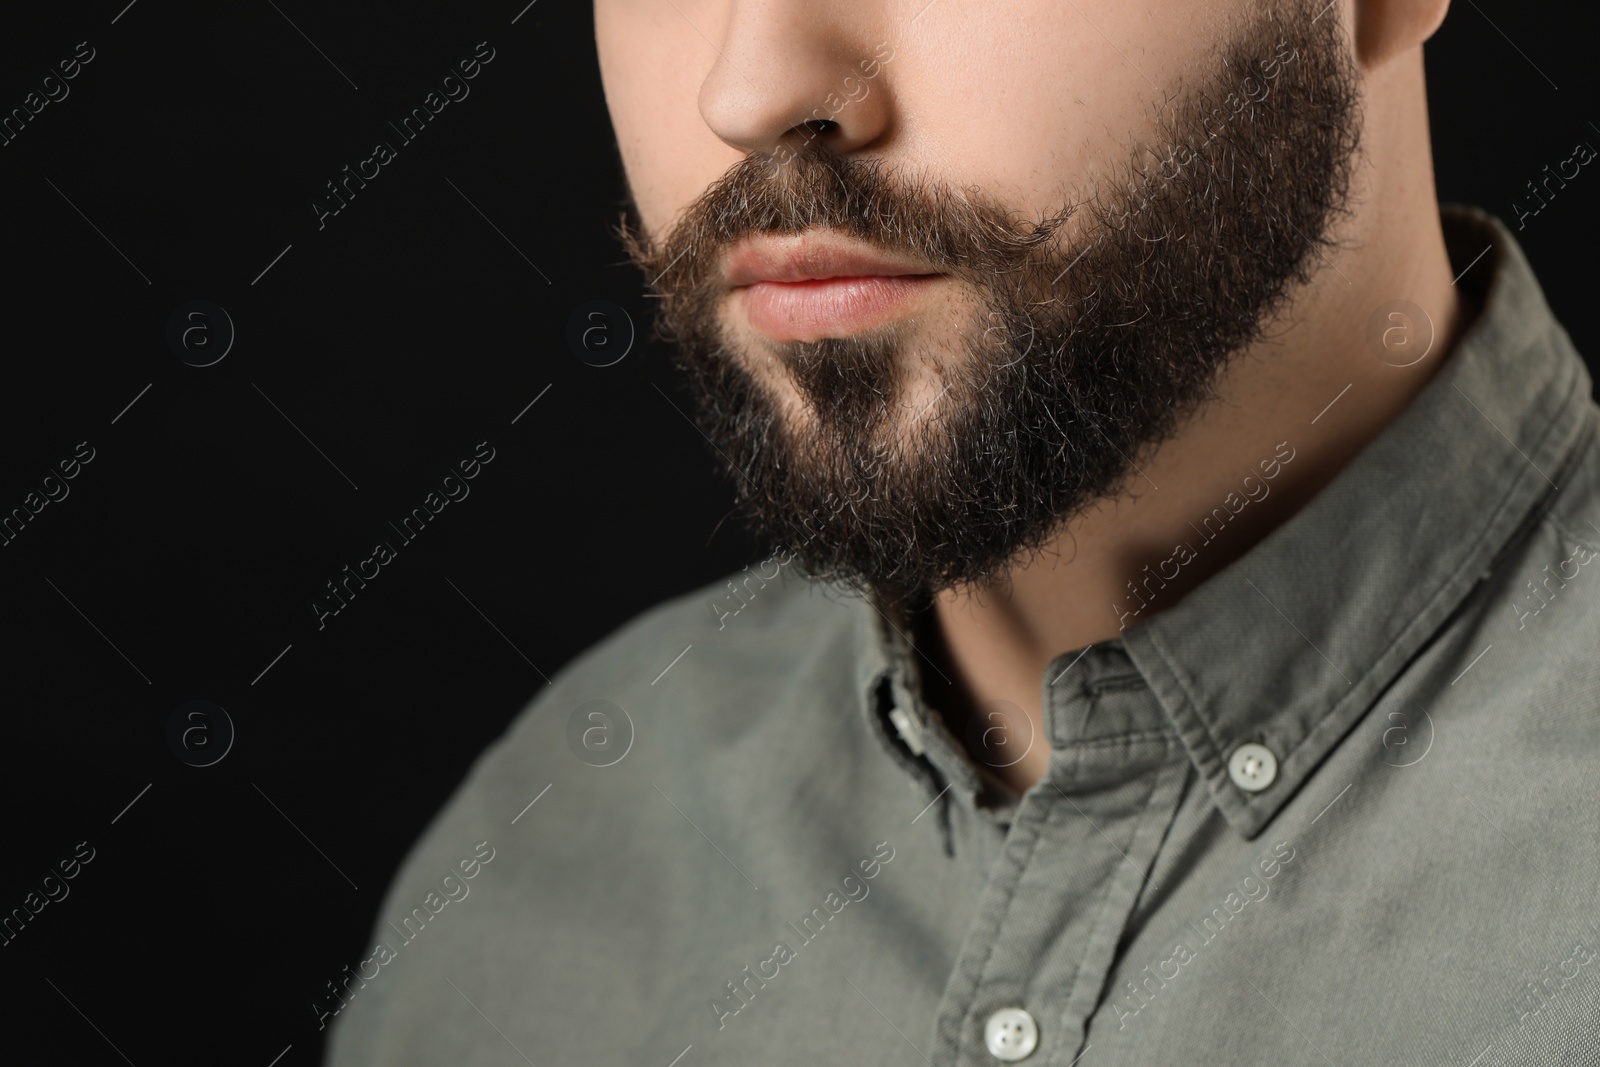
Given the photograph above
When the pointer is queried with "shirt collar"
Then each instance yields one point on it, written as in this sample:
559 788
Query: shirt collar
1292 642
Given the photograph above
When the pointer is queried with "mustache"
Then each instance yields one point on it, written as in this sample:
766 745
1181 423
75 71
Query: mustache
1073 357
967 234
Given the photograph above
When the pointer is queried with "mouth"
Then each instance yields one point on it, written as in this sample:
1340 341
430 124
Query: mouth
816 284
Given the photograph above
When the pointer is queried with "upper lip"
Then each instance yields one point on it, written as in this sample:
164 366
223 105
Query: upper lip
811 256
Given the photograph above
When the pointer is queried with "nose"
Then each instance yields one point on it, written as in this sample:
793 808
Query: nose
791 71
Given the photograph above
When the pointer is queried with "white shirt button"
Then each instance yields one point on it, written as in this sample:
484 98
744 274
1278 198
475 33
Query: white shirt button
1252 767
906 729
1011 1034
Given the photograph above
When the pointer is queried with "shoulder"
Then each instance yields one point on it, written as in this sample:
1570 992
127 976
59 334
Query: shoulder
1521 663
696 675
700 722
713 642
696 689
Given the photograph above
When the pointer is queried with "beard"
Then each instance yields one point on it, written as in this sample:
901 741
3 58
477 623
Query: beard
1093 333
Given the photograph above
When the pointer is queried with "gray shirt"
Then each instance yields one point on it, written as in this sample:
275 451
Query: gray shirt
1338 805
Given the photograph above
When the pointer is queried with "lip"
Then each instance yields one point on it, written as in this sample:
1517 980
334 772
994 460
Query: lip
803 287
814 255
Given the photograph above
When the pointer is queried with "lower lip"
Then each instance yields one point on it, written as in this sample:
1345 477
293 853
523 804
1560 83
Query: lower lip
829 307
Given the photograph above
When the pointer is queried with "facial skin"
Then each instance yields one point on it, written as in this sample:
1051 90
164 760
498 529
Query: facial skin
1078 340
1038 109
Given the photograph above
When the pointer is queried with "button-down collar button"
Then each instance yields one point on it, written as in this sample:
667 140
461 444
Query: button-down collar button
906 729
1252 767
1011 1034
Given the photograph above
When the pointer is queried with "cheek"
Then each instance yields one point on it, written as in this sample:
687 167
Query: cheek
668 152
1033 100
1028 99
1021 116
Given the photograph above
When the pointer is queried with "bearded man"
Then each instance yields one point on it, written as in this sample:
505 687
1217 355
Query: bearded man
1177 645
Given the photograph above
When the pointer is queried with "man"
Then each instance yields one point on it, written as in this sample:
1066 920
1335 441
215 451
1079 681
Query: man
1179 641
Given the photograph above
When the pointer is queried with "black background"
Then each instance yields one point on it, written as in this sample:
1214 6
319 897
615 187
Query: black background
413 326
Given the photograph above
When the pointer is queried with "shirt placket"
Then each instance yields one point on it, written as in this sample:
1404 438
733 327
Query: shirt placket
1034 961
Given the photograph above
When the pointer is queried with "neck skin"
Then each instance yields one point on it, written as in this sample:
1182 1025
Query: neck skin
991 646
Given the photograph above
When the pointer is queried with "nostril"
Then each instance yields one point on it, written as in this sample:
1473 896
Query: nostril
812 128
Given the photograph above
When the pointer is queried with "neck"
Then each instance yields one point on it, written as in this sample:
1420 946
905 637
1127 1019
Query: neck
1288 415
